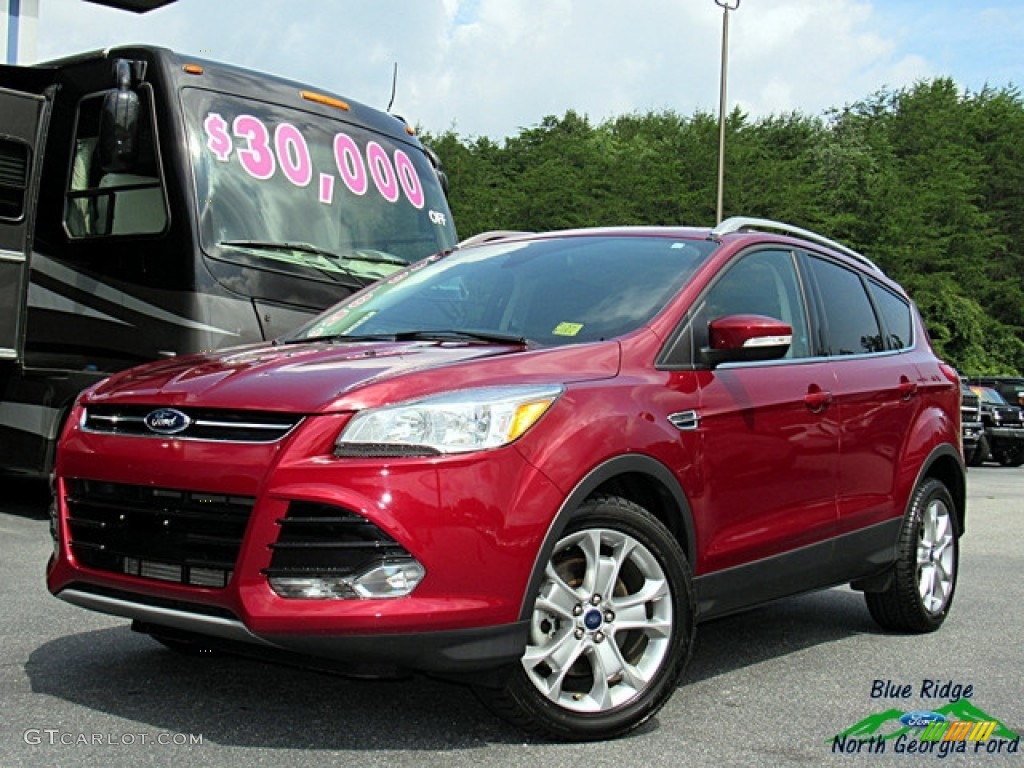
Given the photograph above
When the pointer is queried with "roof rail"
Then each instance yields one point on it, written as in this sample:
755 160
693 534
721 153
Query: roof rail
743 223
491 236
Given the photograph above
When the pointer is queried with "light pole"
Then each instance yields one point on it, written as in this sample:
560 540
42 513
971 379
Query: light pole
726 6
18 20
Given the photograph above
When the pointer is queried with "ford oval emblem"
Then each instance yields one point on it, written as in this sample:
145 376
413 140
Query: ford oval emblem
921 718
167 421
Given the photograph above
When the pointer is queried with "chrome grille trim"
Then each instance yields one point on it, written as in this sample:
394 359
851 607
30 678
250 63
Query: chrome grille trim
206 425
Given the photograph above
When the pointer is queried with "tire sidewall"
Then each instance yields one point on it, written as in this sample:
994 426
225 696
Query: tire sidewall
929 491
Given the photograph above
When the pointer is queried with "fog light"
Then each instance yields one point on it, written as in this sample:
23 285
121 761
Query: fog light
389 580
385 580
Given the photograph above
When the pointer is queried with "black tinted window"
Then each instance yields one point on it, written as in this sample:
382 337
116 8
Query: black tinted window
896 316
851 326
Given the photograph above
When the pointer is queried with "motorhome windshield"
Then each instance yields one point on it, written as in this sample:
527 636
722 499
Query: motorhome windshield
287 185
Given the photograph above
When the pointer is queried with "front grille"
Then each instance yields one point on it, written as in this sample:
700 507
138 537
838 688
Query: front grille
203 424
188 537
970 406
1006 415
320 539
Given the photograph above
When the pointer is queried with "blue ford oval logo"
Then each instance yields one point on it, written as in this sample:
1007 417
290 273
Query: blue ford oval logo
592 620
167 421
921 718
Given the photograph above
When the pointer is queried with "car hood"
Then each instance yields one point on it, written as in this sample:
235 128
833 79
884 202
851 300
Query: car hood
321 376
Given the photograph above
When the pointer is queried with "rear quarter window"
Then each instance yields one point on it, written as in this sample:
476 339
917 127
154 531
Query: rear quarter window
896 316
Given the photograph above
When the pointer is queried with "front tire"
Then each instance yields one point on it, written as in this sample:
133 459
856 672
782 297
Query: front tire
611 629
928 558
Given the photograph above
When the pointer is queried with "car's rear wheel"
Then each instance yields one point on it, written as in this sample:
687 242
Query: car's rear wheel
611 628
924 579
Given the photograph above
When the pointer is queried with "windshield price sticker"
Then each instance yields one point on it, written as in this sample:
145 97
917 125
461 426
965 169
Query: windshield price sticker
263 152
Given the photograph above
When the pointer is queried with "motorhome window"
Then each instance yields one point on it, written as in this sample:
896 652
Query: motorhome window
267 176
13 178
101 201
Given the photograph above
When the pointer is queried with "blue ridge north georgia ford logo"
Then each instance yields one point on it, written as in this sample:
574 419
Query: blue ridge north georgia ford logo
167 421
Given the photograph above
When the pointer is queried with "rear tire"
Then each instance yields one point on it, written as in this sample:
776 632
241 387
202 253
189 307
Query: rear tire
920 592
612 628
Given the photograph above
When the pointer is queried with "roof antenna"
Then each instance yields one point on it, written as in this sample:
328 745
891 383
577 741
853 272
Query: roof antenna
394 86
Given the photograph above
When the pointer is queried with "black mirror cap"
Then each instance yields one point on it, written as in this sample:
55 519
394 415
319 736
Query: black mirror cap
119 123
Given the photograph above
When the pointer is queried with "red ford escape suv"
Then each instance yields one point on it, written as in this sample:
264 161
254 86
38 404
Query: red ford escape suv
538 462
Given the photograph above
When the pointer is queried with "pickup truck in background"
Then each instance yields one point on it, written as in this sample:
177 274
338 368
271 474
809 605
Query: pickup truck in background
1003 438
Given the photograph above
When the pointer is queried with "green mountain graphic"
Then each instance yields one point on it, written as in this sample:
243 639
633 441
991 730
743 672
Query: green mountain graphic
883 723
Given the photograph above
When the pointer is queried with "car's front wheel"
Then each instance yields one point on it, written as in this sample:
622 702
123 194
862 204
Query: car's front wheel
920 591
611 629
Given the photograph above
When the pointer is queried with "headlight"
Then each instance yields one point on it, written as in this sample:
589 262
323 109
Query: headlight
455 422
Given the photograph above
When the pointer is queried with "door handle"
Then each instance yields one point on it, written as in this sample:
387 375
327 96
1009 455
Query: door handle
817 399
907 388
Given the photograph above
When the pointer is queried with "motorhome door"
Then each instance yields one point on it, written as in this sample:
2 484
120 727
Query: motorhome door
22 125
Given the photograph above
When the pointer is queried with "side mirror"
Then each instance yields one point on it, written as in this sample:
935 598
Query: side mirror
435 161
746 338
119 122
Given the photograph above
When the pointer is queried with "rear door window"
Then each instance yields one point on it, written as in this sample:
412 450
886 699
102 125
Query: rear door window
850 326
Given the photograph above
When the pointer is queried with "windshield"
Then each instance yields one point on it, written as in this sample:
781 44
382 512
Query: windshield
989 396
547 292
287 185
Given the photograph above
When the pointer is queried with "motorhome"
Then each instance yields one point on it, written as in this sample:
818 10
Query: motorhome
154 204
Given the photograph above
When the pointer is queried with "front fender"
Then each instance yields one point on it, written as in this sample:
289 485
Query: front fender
657 481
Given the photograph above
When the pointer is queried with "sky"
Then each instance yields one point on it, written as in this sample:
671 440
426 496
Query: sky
491 68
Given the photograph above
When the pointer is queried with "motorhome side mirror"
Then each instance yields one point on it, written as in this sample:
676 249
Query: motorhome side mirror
435 161
746 338
119 123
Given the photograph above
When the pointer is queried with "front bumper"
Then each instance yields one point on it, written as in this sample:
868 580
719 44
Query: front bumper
475 523
972 432
1009 434
450 652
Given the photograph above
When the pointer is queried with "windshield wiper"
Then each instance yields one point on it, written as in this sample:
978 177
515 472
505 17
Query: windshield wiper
439 334
374 257
432 335
339 337
371 256
283 246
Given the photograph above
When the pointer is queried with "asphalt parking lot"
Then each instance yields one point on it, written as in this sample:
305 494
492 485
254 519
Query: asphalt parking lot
771 687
